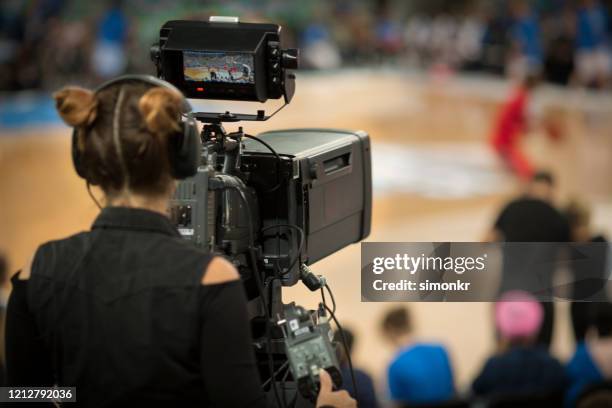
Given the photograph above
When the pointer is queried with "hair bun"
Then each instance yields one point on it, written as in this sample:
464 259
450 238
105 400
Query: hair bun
161 110
76 106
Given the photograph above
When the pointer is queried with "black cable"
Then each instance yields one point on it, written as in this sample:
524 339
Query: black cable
260 288
323 296
346 349
286 372
331 295
278 162
277 372
300 247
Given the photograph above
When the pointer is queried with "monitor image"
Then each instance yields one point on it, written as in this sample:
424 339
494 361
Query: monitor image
218 67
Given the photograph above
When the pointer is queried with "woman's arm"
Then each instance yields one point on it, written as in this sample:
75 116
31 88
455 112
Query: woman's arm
27 363
228 367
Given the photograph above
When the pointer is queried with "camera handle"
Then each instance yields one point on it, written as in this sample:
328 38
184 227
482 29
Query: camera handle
218 140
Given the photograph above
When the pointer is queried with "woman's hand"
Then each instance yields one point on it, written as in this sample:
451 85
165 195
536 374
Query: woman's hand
329 398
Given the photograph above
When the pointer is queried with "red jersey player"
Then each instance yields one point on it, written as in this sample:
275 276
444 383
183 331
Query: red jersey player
510 125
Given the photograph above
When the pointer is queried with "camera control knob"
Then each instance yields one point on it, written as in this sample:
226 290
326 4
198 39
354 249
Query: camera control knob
289 59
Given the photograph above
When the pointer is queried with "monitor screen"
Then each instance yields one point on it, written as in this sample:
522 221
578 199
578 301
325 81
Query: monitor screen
219 67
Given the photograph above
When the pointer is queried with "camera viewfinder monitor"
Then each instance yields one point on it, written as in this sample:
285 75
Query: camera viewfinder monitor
225 60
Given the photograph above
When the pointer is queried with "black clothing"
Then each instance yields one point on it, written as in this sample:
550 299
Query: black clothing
582 319
367 392
559 61
588 284
520 370
590 272
120 313
532 220
546 329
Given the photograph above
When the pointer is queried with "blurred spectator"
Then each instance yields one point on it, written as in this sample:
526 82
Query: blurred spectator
532 218
420 372
417 34
365 385
318 50
592 361
559 58
495 45
596 396
593 58
526 47
520 366
470 35
387 30
511 125
443 40
109 57
590 275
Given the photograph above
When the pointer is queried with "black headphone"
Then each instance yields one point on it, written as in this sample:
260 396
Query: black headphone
184 151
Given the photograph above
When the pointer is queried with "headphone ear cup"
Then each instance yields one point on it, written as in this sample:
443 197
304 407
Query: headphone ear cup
185 150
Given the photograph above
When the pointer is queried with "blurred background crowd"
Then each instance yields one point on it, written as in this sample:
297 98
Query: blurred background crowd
44 43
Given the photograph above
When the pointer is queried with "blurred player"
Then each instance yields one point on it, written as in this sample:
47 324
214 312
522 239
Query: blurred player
510 125
512 122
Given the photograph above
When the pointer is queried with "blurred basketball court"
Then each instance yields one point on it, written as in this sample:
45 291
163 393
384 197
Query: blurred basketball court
435 179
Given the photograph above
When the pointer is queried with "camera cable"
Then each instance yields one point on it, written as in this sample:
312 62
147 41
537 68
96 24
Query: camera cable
343 338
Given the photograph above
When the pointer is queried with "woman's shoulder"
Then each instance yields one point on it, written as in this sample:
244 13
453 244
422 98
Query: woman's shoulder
218 271
50 249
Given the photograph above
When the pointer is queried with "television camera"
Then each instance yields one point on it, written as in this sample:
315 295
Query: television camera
273 203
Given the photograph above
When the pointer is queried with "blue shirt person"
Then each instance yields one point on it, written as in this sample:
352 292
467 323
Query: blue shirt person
526 34
420 373
592 360
591 27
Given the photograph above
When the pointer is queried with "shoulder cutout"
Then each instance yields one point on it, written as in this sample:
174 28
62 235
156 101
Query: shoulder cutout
219 270
25 272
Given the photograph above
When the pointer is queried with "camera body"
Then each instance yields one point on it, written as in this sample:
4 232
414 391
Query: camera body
322 184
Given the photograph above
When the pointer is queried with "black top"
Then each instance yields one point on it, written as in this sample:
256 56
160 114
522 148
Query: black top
120 313
532 220
520 370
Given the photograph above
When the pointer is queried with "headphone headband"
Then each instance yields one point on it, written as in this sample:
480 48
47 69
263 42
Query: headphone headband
149 79
184 152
